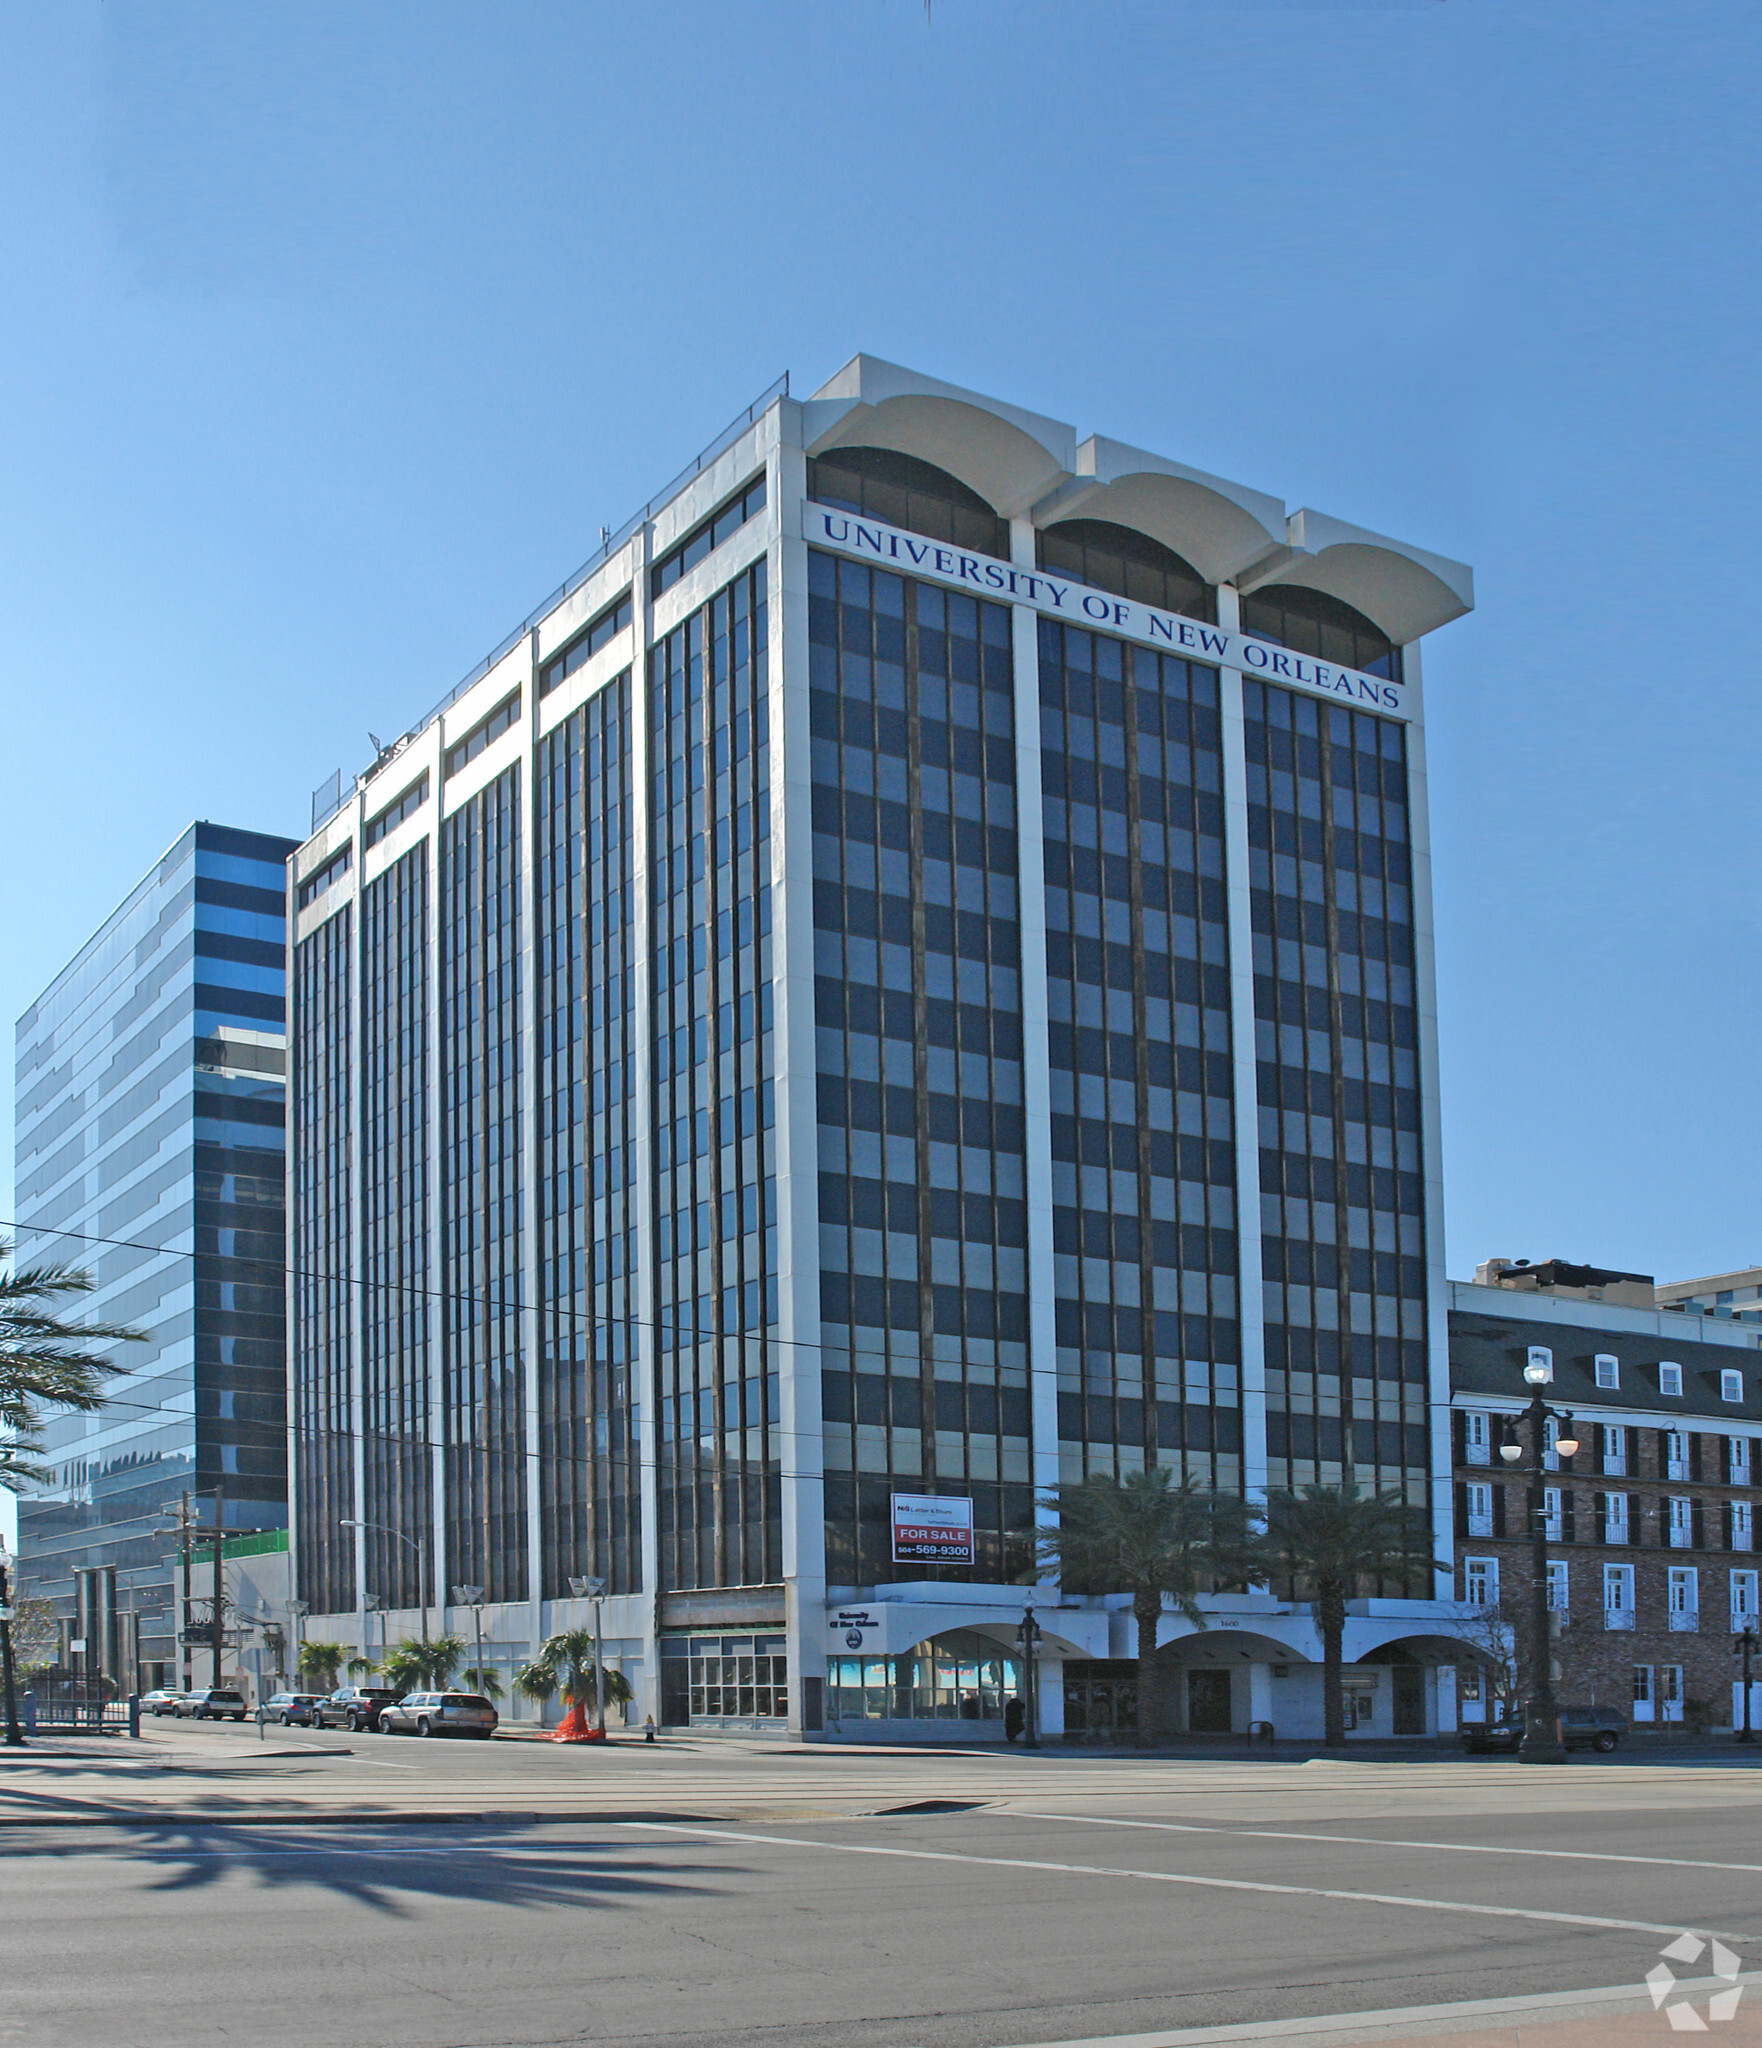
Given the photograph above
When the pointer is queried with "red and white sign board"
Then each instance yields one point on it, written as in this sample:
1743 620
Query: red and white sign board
932 1529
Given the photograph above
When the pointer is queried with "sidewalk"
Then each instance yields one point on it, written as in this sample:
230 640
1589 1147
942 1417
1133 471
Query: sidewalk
1623 2016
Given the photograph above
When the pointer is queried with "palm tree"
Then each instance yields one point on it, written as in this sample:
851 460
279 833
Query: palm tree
46 1361
536 1681
488 1681
1153 1536
413 1666
1331 1540
320 1663
566 1664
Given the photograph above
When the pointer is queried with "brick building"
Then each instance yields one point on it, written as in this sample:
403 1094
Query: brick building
1652 1555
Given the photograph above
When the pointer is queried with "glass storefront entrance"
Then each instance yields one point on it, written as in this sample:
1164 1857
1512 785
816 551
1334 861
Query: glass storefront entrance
723 1679
961 1676
1101 1699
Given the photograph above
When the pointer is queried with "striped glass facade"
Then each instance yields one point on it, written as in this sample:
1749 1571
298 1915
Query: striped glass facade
150 1150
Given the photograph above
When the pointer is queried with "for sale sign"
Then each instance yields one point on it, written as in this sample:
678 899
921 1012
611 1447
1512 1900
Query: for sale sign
932 1529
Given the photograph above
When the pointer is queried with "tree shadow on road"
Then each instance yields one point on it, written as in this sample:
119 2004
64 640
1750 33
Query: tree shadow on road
388 1868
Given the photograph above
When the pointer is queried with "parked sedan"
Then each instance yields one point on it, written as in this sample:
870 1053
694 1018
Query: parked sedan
212 1703
1598 1728
291 1709
163 1699
355 1707
441 1713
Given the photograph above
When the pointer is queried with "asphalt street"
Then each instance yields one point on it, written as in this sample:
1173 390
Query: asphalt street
1074 1904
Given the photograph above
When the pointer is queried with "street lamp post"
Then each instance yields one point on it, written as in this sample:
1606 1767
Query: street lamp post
1028 1635
593 1589
1745 1644
416 1544
1541 1721
472 1597
297 1611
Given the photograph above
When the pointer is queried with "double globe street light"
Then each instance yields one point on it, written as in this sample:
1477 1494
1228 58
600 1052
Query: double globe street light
1541 1742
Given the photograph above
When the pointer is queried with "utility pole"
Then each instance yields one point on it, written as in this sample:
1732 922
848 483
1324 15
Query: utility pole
219 1585
185 1648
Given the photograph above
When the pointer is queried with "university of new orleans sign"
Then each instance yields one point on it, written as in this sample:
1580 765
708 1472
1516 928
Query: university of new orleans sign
984 576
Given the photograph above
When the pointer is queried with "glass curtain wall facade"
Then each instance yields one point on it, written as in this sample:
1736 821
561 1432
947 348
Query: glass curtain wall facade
321 1242
922 1186
150 1150
1138 1001
715 1293
897 983
587 1119
1337 1040
483 1370
396 1304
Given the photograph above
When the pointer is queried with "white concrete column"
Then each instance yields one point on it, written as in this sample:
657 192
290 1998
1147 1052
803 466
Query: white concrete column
290 1316
435 1318
357 1271
794 1088
1425 996
1260 1693
529 1104
1247 1094
1036 1056
642 1366
1050 1687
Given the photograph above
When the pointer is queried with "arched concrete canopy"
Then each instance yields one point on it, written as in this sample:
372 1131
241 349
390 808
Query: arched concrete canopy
1010 457
1221 528
1231 1646
1425 1649
1403 590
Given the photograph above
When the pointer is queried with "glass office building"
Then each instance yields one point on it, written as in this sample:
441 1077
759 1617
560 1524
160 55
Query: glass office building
908 981
150 1150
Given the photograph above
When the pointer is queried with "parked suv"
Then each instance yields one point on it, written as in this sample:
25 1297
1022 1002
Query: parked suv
441 1713
291 1709
212 1703
355 1707
1598 1728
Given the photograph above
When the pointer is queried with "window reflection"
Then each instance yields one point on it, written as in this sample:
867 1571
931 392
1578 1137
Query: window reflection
906 492
1312 622
962 1676
1130 564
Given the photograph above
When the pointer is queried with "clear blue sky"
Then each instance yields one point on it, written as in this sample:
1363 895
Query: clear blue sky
330 335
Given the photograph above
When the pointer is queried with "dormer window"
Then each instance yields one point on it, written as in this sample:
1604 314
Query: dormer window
1608 1370
1731 1385
1669 1378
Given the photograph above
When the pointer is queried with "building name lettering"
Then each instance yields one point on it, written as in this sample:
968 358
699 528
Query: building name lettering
870 540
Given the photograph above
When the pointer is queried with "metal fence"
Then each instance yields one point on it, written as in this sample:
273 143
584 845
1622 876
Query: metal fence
70 1707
